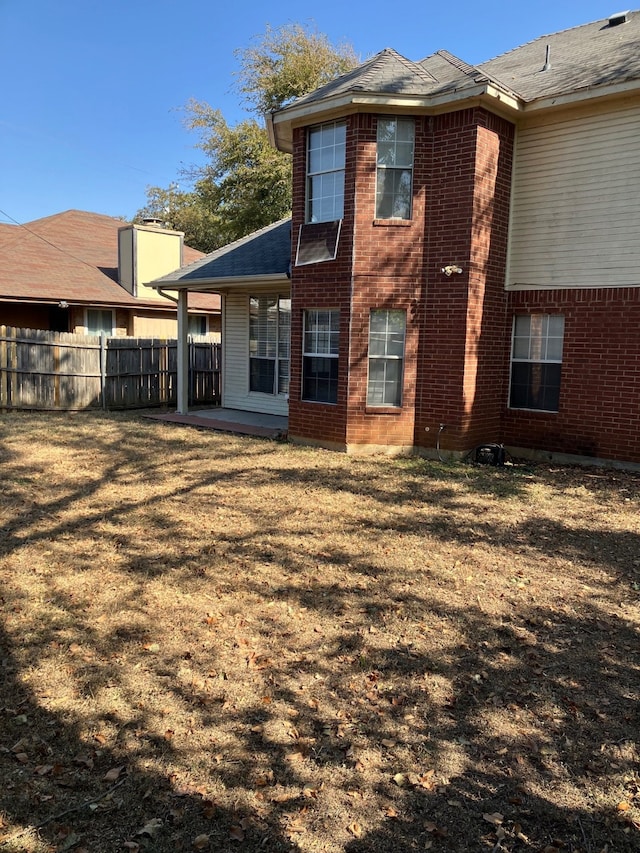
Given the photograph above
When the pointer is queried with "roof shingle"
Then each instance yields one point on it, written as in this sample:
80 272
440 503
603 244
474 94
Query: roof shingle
71 257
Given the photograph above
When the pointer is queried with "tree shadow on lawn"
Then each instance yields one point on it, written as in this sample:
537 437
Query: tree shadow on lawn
418 724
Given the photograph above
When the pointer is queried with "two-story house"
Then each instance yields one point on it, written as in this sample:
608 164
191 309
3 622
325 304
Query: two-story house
464 256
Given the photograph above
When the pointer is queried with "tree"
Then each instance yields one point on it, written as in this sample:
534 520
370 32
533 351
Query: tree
246 183
288 62
245 178
194 213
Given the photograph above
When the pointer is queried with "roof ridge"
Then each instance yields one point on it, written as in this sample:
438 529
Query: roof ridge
476 72
377 61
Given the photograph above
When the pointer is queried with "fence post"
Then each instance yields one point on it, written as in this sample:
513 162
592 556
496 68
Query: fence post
4 369
103 369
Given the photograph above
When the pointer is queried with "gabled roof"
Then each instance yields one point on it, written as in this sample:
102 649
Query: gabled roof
584 59
265 254
385 73
71 257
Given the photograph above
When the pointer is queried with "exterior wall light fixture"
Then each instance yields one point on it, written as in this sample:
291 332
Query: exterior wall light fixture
450 269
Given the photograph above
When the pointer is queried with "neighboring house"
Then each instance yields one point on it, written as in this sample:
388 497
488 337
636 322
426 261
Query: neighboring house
84 272
465 263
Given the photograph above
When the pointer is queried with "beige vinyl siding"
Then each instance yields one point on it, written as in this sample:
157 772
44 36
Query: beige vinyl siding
235 340
575 218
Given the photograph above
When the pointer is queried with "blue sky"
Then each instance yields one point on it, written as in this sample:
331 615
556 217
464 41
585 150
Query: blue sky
92 90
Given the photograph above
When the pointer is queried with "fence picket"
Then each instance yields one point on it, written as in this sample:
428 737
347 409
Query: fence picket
42 370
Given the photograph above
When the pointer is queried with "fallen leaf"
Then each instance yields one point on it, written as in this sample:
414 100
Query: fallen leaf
113 774
131 845
236 832
496 818
622 807
400 779
200 842
356 829
70 841
151 828
208 808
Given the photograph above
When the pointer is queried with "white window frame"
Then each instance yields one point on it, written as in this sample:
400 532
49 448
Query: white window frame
199 317
321 341
394 164
110 311
537 340
383 353
326 158
281 354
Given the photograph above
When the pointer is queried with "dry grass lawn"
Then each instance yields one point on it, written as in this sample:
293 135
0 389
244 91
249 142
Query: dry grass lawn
211 642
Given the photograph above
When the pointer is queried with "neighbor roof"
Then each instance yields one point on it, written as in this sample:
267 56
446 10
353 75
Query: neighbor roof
264 254
72 257
588 57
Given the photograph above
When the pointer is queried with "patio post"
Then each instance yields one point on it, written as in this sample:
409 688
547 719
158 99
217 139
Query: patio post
182 391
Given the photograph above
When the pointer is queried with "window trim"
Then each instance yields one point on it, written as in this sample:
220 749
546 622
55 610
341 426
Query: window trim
535 361
101 311
386 358
381 167
319 353
309 175
278 358
199 317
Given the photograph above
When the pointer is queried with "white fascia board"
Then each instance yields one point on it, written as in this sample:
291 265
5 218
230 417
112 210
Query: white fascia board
279 125
216 285
589 93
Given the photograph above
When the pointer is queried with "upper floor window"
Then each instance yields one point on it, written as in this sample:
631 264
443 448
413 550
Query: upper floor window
394 176
325 172
536 361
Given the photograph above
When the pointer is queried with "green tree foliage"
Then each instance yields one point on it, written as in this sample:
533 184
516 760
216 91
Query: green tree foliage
245 178
245 183
288 62
194 213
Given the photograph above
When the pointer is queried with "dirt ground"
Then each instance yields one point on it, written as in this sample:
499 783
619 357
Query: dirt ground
210 642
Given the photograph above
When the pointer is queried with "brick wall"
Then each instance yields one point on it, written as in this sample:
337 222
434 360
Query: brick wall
599 412
461 370
455 326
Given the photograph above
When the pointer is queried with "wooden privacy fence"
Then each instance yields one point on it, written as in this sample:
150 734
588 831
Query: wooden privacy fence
61 370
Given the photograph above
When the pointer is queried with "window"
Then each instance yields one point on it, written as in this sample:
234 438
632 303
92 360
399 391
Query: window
269 343
197 324
99 321
394 175
325 172
536 362
386 357
320 356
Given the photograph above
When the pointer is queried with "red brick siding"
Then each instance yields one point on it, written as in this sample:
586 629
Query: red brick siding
599 413
460 373
455 326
